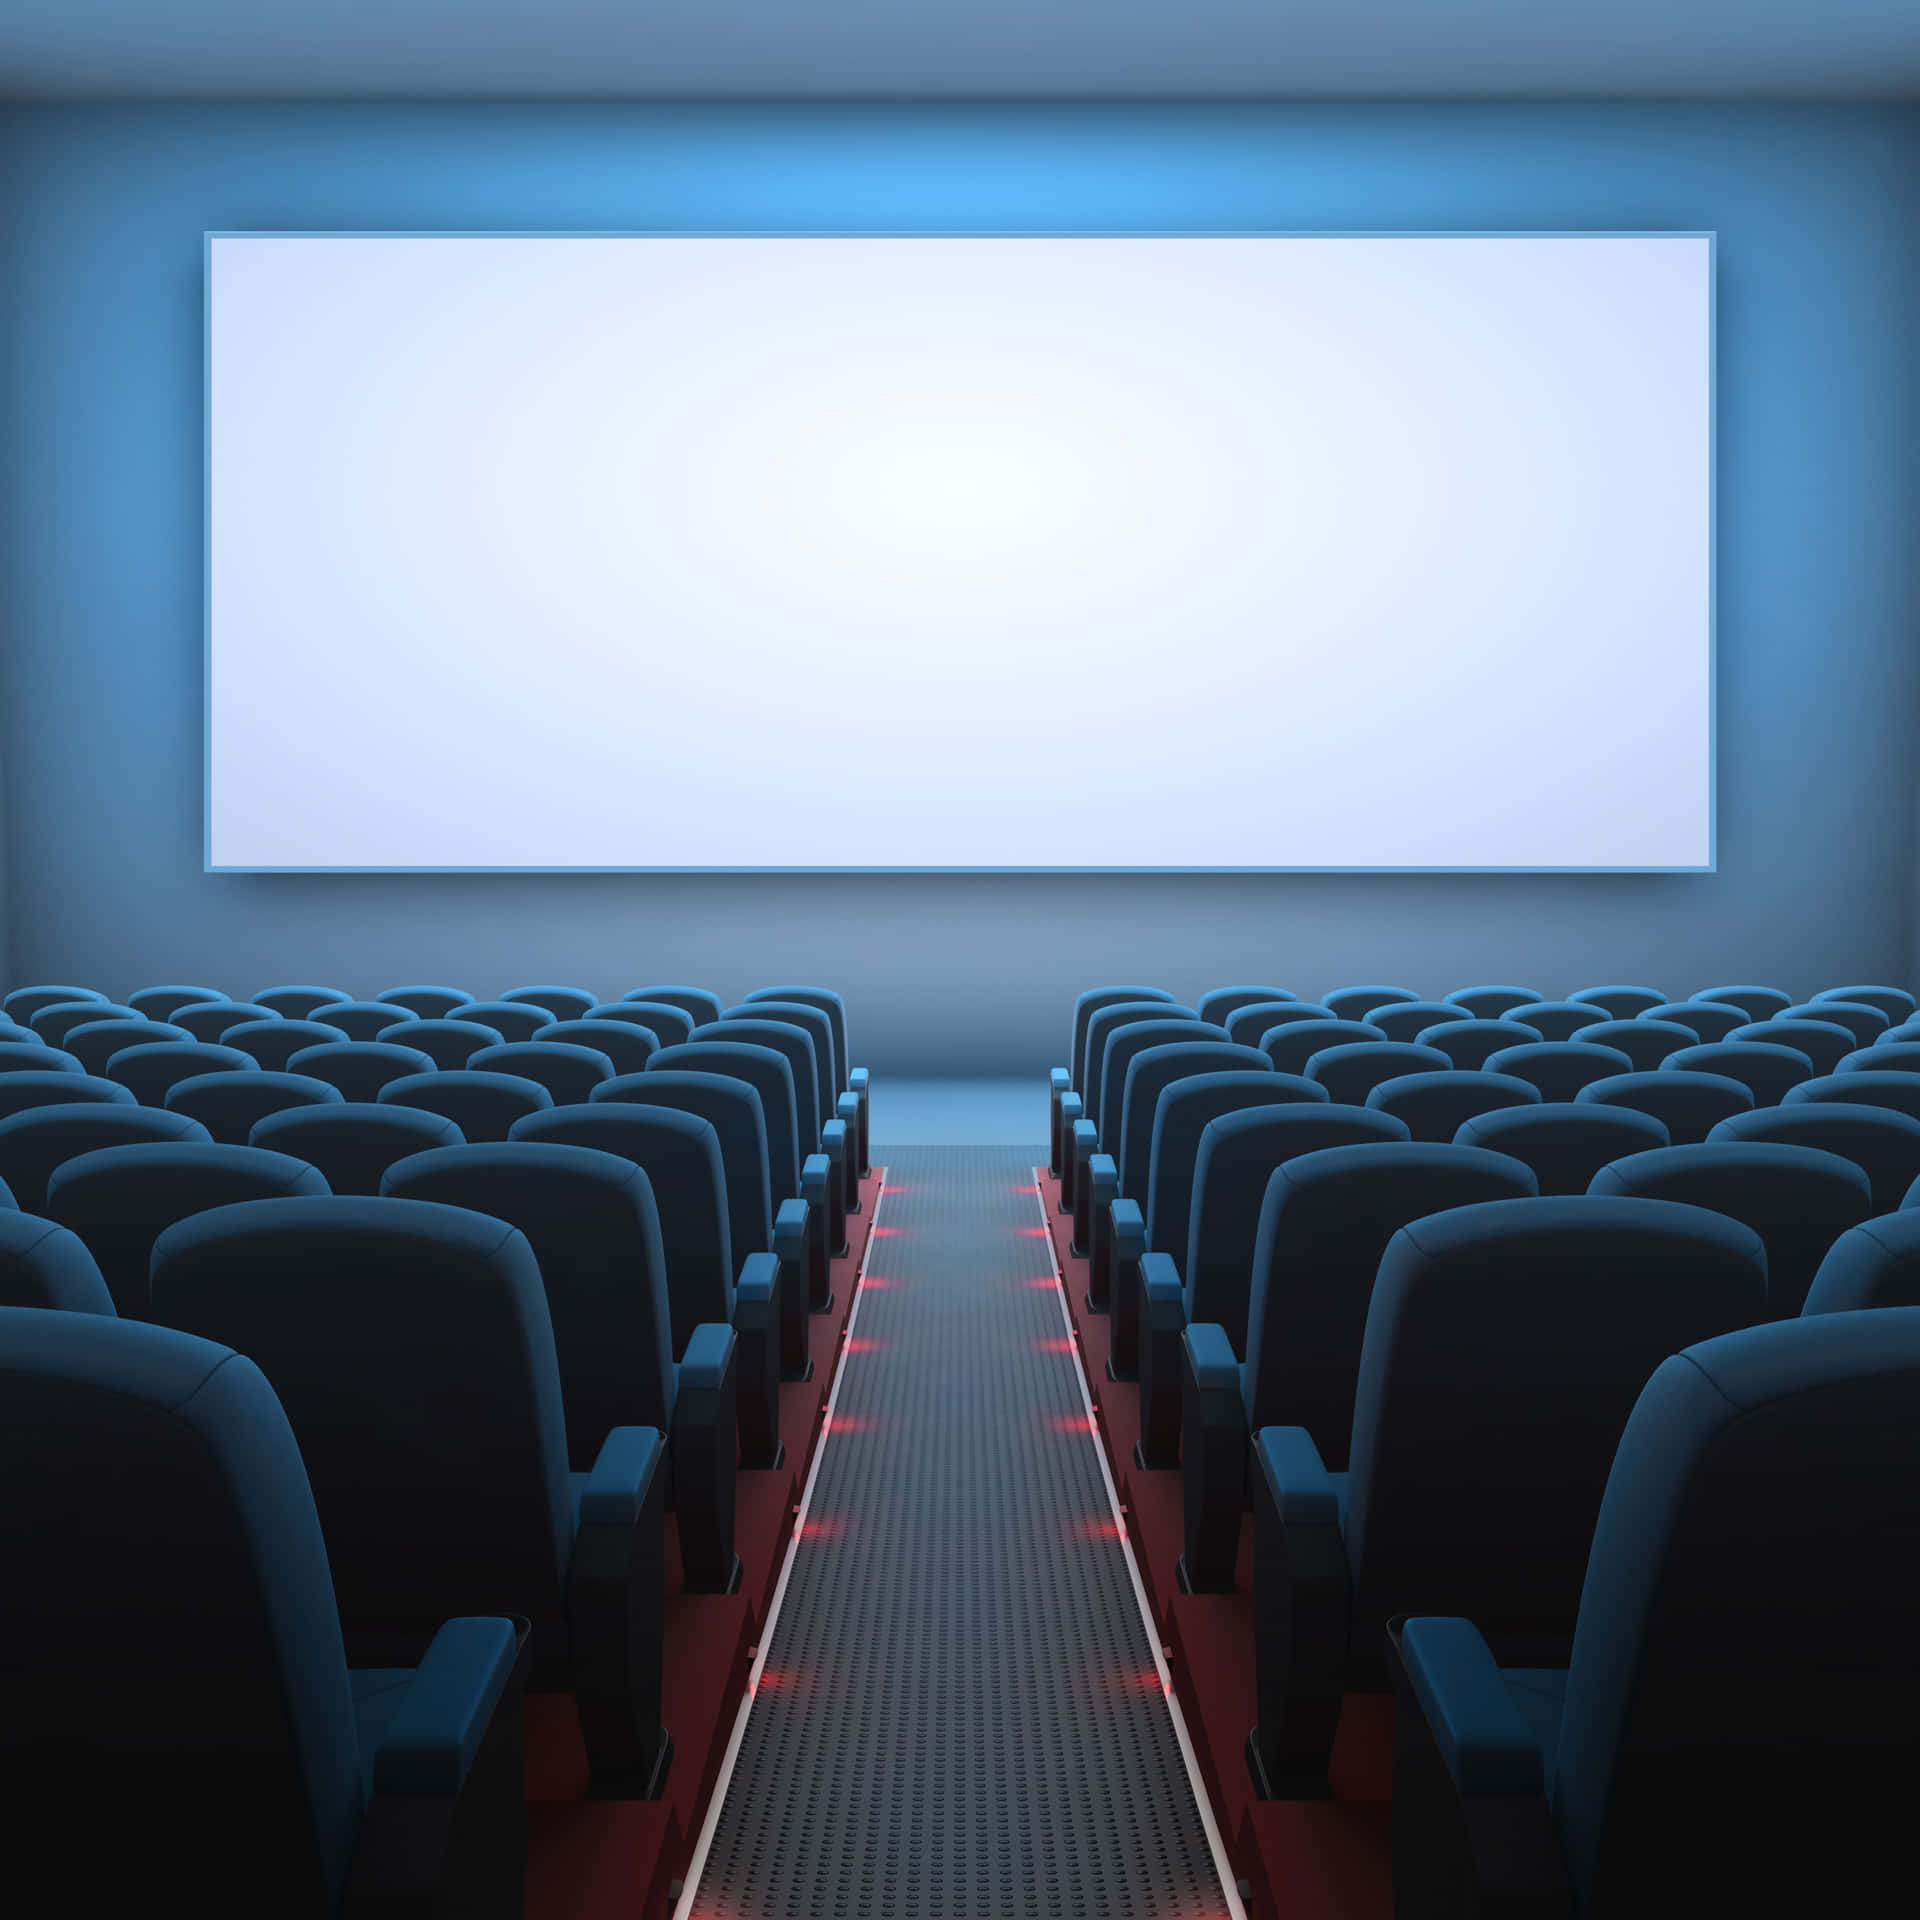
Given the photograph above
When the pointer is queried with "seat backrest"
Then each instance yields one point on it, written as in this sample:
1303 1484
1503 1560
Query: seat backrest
1123 1045
213 1020
796 1044
1645 1042
1352 1070
1766 1069
1873 1265
51 1025
1757 1003
829 1003
1086 1005
701 1006
1324 1223
160 1536
430 1003
1895 1002
570 1073
1217 1004
1824 1042
1866 1023
148 1069
1884 1145
1688 1105
1101 1025
1505 1346
301 1002
95 1043
817 1027
668 1025
1887 1055
1235 1159
34 1056
1293 1044
1355 1003
354 1143
627 1046
227 1104
360 1068
590 1220
482 1105
1855 1087
119 1200
1180 1117
451 1043
769 1075
1619 1003
1559 1068
24 1002
20 1091
1408 1019
680 1155
732 1108
1492 1003
1712 1020
1737 1729
1433 1106
1799 1200
36 1139
45 1266
1149 1073
1246 1024
1468 1044
411 1347
511 1019
564 1003
1561 1019
368 1019
270 1044
161 1003
1564 1142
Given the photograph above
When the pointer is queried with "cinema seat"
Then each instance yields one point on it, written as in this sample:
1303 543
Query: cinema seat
450 1044
354 1143
1765 1068
768 1073
162 1003
1433 1106
564 1003
1355 1003
1325 1222
1620 1003
429 1003
367 1019
669 1025
1086 1005
701 1006
227 1104
627 1047
45 1266
94 1044
1733 1732
1181 1116
796 1045
1688 1105
119 1200
1217 1003
680 1155
569 1073
591 1222
1246 1024
1898 1092
1493 1003
1712 1020
148 1069
19 1091
1486 1414
1645 1042
1884 1056
1565 1143
1871 1266
1758 1003
1293 1044
511 1019
1101 1026
1895 1002
1351 1071
1866 1023
188 1735
1406 1020
483 1106
834 1007
411 1347
35 1140
1559 1068
1824 1042
300 1003
212 1020
360 1068
813 1022
34 1056
1149 1073
1469 1044
1883 1144
1799 1200
23 1003
51 1025
1557 1020
273 1043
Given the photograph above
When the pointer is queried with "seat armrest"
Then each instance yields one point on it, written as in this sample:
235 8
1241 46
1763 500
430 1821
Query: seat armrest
1124 1242
857 1085
623 1470
1103 1188
1213 1458
1085 1147
848 1109
816 1173
838 1149
703 1366
790 1249
756 1307
1059 1085
436 1730
1483 1741
1210 1355
1162 1311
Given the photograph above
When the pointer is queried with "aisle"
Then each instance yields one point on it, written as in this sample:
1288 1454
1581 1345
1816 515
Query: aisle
959 1715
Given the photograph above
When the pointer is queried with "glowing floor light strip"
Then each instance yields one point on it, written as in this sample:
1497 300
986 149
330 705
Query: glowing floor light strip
1222 1865
697 1865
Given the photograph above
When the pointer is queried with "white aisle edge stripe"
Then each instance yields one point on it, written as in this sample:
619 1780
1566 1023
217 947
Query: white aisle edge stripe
1222 1865
697 1865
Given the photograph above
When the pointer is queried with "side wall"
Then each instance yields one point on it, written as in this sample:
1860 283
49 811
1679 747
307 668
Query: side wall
101 215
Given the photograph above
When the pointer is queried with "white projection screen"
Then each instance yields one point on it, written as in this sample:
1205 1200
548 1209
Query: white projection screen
1248 551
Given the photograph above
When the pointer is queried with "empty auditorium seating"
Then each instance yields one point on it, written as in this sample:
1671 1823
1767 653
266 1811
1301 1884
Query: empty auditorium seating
1824 1042
1181 1115
227 1104
1091 1002
1559 1068
569 1073
148 1069
511 1019
1895 1002
1765 1068
1688 1105
1564 1143
1292 1045
1873 1265
1149 1073
34 1140
1469 1044
43 1265
1101 1024
483 1106
273 1043
161 1003
1217 1003
19 1091
32 1056
449 1043
359 1068
51 1024
669 1025
1351 1070
1246 1024
1856 1086
354 1143
1355 1003
1560 1019
1866 1023
367 1019
1712 1020
213 1020
22 1003
564 1003
1621 1003
1493 1002
1433 1106
1646 1041
626 1045
428 1002
95 1043
702 1006
813 1021
1408 1019
1883 1144
299 1002
1887 1055
1758 1003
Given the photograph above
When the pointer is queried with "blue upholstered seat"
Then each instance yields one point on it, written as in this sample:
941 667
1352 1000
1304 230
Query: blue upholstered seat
483 1106
1409 1019
1559 1068
1246 1024
1149 1073
1292 1044
1873 1265
272 1043
817 1026
1757 1003
1855 1086
1765 1068
1711 1020
1564 1142
1883 1144
149 1068
1352 1069
35 1140
227 1104
428 1002
22 1003
1620 1003
829 1003
96 1042
670 1026
1355 1003
161 1003
450 1043
1218 1003
511 1019
1895 1002
368 1019
354 1143
359 1068
1688 1105
1865 1022
1433 1106
299 1002
1646 1042
1085 1006
51 1024
569 1073
626 1045
1493 1002
1824 1042
44 1265
698 1003
1469 1044
564 1003
213 1020
65 1085
1560 1019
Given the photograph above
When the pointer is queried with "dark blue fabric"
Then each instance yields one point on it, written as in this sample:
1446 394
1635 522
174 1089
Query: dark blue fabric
149 1069
511 1019
34 1056
796 1045
1351 1070
1326 1220
1865 1023
1102 1024
37 1139
483 1106
669 1025
171 1616
24 1002
1505 1346
272 1043
51 1025
627 1047
21 1091
1180 1117
227 1104
732 1108
570 1073
1303 1490
95 1043
1895 1002
590 1219
1559 1068
299 1002
1485 1743
1688 1105
411 1347
119 1200
1293 1044
1355 1003
1218 1003
1560 1019
1645 1042
1824 1043
451 1043
1246 1024
44 1265
1758 1003
702 1006
1433 1106
360 1068
1149 1073
769 1075
1896 1092
1883 1144
215 1019
1493 1002
161 1003
1876 1264
1236 1157
430 1003
835 1008
1711 1020
1891 1055
814 1022
1799 1200
1565 1142
564 1003
435 1730
1620 1003
1469 1043
369 1019
1408 1019
354 1143
1086 1005
680 1155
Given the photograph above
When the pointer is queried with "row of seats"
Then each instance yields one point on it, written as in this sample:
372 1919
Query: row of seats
1415 1357
473 1389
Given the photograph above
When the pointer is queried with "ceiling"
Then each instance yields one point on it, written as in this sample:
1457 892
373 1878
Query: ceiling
768 50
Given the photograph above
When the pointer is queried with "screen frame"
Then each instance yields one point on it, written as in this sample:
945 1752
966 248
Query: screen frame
1708 234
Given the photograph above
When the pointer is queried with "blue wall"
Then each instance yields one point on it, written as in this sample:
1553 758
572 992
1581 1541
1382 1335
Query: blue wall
101 214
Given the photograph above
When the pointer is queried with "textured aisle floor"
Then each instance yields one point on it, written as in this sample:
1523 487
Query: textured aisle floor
960 1717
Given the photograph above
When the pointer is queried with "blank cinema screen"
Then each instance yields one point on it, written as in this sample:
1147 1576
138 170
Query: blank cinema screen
1077 552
